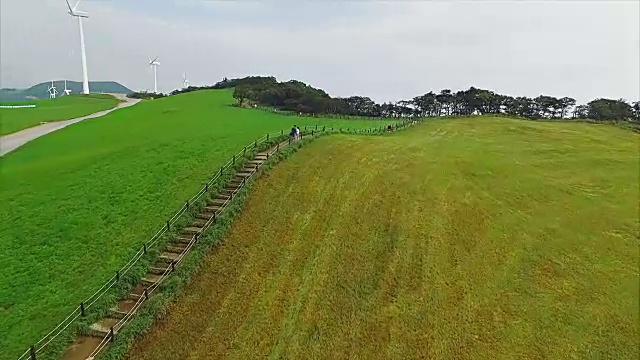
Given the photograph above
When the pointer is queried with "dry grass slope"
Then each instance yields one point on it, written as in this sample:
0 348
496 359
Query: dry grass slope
474 239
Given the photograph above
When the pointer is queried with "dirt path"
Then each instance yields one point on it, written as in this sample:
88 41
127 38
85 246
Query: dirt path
13 141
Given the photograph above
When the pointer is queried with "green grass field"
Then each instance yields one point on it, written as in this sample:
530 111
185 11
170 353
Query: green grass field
78 203
62 108
459 239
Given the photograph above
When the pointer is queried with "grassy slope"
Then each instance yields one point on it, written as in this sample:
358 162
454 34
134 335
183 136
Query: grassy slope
78 203
475 239
62 108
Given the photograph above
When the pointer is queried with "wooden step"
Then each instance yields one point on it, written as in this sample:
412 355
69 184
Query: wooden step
229 191
168 257
243 175
103 327
137 292
150 279
255 162
185 240
159 270
122 308
211 209
204 216
192 230
175 249
199 222
219 202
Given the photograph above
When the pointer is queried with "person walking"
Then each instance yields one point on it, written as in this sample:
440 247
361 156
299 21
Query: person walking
297 133
292 133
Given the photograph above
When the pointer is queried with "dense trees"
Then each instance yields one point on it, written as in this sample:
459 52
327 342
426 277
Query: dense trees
145 95
296 96
299 97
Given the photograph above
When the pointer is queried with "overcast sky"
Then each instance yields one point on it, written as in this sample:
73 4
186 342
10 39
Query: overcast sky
386 50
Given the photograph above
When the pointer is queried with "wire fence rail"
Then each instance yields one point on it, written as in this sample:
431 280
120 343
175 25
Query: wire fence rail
84 306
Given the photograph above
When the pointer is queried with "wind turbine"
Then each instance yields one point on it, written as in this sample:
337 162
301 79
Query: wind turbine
66 91
52 91
154 64
185 82
73 11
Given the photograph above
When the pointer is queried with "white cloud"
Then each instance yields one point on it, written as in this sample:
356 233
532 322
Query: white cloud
381 49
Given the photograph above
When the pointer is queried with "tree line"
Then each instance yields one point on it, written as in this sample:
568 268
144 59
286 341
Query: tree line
298 97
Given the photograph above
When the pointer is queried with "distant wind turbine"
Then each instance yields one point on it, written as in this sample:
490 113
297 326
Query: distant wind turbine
73 11
66 91
154 64
185 82
52 91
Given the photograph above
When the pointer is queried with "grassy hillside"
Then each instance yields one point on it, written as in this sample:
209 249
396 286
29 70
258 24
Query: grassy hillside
77 203
460 239
40 91
62 108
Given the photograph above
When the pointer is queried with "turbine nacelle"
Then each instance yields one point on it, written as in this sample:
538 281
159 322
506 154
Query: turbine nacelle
73 11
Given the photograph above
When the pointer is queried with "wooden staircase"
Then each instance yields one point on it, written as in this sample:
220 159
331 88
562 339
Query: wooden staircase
108 327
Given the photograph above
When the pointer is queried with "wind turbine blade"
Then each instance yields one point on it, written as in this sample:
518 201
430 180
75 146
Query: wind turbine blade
149 59
154 60
75 7
69 5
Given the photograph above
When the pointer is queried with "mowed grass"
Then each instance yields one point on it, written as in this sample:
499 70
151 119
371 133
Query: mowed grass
62 108
78 203
458 239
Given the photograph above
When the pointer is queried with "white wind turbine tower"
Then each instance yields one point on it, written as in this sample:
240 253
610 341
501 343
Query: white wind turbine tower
73 11
66 91
52 91
185 82
154 64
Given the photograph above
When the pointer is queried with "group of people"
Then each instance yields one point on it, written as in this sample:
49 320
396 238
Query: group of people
295 133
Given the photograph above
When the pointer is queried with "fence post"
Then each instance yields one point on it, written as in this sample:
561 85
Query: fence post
168 225
111 335
255 143
144 248
305 128
234 160
214 218
32 353
220 171
244 152
206 187
117 275
312 132
82 312
281 132
316 126
289 140
278 147
267 137
173 265
186 204
146 294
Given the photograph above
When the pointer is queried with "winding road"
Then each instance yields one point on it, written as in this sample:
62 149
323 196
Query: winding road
13 141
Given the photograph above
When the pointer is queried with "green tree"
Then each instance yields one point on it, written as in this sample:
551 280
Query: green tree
608 109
